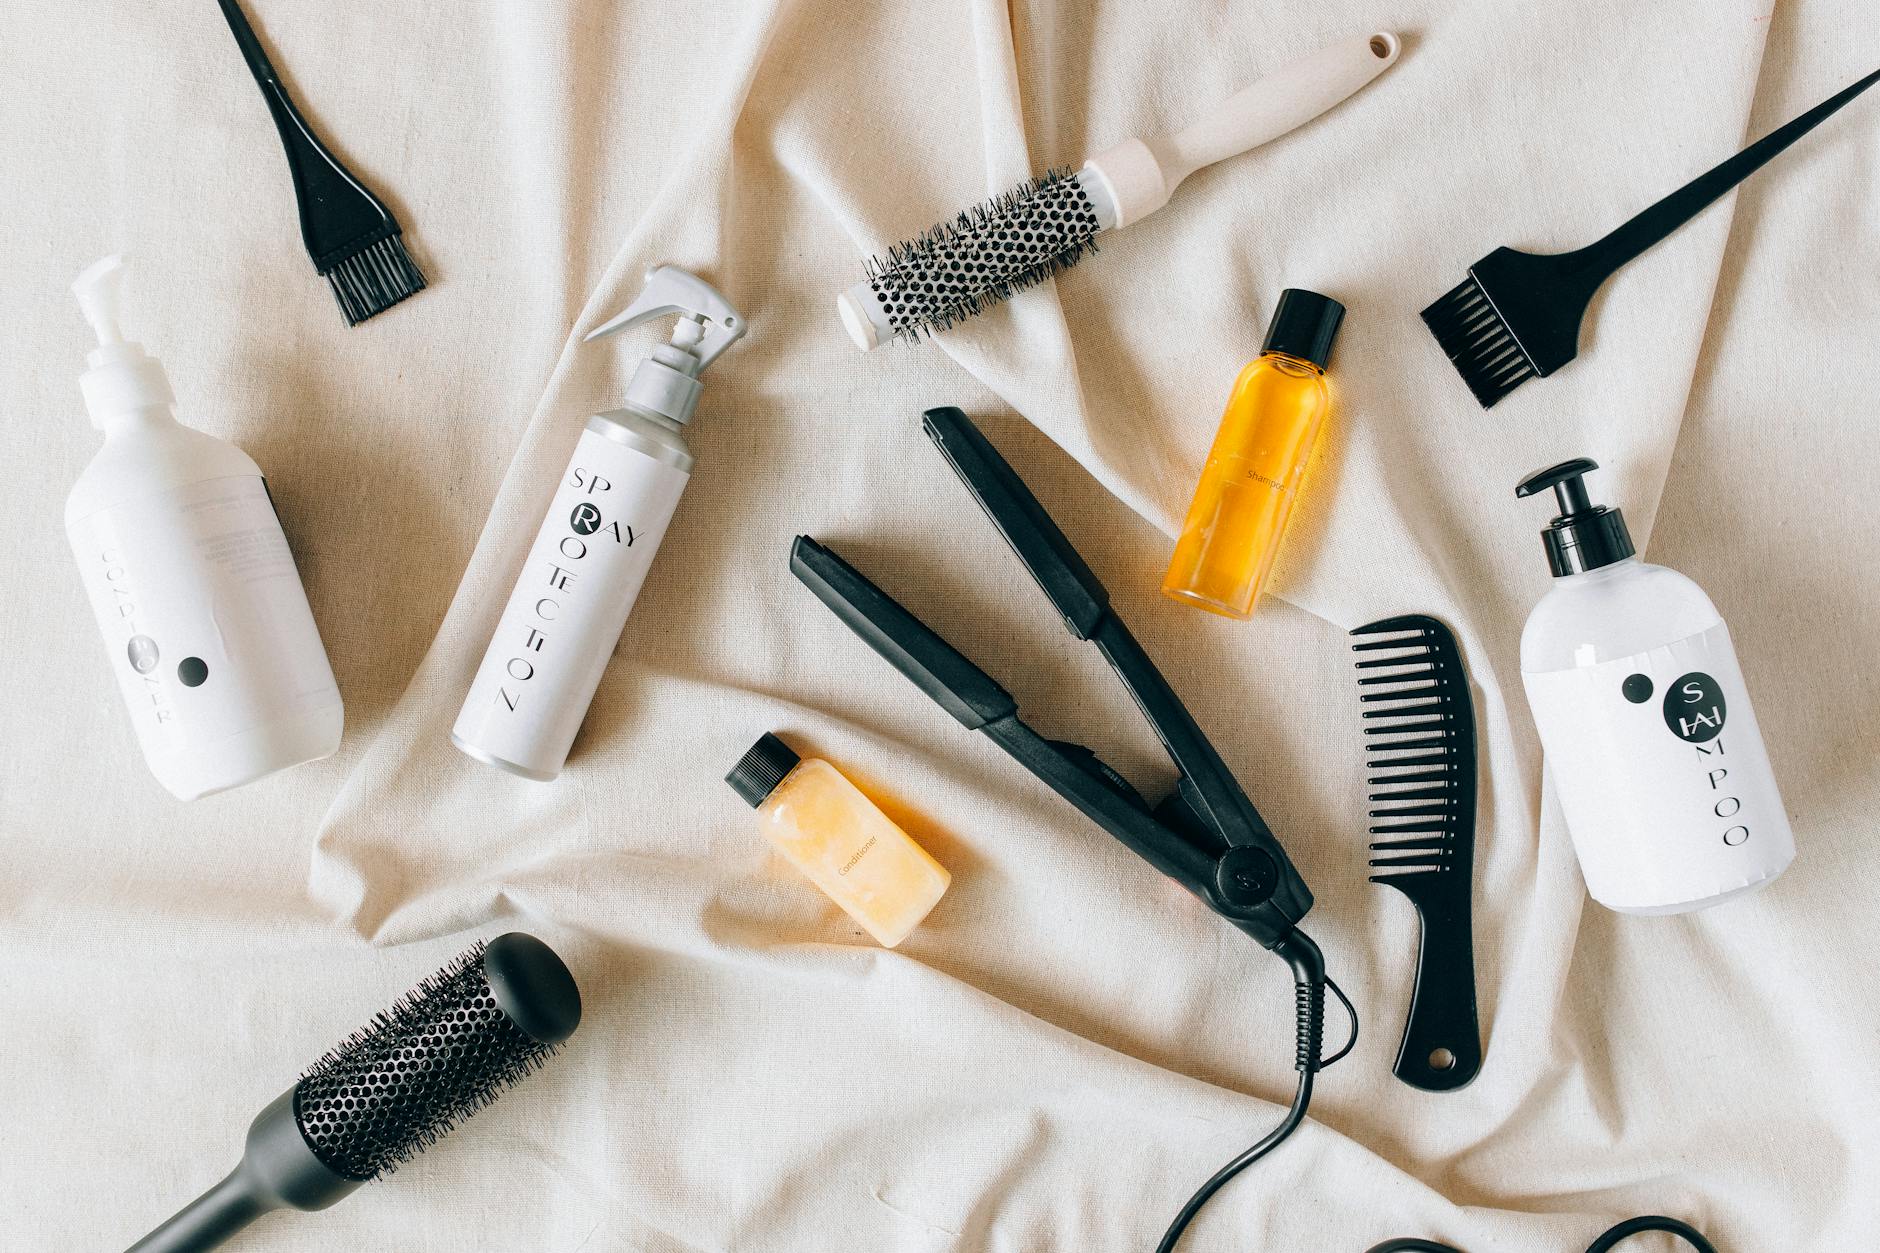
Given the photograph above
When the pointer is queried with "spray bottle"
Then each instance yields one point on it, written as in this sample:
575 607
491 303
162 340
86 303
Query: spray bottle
1653 745
205 622
594 548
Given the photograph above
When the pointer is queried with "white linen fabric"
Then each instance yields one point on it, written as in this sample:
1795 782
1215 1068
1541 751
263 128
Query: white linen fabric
1070 1044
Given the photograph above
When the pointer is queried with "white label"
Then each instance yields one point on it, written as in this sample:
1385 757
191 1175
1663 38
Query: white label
204 619
566 613
1662 775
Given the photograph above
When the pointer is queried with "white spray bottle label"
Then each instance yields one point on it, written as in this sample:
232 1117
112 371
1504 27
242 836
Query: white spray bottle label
586 566
1661 773
577 587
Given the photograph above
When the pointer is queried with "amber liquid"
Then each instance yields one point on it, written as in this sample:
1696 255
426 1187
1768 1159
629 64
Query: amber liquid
1248 486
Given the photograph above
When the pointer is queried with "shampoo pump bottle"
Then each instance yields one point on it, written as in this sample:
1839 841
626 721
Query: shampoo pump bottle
1258 460
1645 720
594 548
205 622
842 843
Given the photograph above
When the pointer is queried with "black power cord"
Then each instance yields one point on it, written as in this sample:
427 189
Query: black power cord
1309 984
1630 1227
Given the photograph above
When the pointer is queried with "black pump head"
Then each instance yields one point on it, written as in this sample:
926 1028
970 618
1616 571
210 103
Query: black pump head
1585 536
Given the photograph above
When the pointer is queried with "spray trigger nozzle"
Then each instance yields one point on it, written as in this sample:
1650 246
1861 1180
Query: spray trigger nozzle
707 323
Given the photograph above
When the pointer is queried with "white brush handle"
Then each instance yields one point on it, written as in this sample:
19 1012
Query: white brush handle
1140 174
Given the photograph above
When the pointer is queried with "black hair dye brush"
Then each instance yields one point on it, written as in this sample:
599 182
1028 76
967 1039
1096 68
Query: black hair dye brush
443 1052
1518 314
355 242
1014 241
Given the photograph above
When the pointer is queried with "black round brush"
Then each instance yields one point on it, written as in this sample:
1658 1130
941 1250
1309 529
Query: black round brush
444 1051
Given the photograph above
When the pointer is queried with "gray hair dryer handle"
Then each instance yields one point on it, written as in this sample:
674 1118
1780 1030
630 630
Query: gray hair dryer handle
278 1171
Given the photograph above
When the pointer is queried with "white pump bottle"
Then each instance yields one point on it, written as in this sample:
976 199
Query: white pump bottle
1653 746
592 553
205 622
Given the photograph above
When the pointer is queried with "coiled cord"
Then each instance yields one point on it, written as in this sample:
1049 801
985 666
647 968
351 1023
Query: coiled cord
1309 984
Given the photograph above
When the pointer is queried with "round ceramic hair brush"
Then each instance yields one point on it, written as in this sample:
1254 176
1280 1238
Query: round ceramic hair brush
444 1051
1023 237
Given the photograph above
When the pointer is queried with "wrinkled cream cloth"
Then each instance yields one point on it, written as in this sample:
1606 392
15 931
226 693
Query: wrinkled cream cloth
1070 1044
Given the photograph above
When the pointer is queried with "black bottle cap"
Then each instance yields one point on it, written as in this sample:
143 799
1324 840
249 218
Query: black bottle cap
1585 536
1304 326
759 771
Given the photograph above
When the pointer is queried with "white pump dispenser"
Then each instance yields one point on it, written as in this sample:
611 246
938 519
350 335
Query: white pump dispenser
592 553
204 619
1653 745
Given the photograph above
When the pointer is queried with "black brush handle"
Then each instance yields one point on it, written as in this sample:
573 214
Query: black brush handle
1599 261
208 1220
338 215
278 1170
250 44
1442 1025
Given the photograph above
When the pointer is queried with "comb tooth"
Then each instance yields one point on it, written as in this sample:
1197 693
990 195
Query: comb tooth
1371 646
1416 842
1419 776
1405 861
1411 794
1426 723
1415 658
1403 622
1422 685
1435 741
1422 708
1437 809
1420 759
1408 828
1422 674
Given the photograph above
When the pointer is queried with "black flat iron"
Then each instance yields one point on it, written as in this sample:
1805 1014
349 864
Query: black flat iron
1206 835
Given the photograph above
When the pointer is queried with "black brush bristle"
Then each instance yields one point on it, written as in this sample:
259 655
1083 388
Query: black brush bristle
986 254
1517 316
374 279
441 1053
1476 339
354 240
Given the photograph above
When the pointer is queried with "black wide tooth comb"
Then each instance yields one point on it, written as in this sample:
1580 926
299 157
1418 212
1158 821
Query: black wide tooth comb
1518 314
1420 729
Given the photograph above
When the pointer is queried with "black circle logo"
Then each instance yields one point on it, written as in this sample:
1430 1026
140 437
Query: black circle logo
1637 688
191 671
1694 708
585 519
142 650
1246 876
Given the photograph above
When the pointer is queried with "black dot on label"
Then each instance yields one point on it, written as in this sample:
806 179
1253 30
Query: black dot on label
1637 689
191 671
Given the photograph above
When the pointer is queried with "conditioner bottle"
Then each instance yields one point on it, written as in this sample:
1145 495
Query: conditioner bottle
205 623
1645 720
